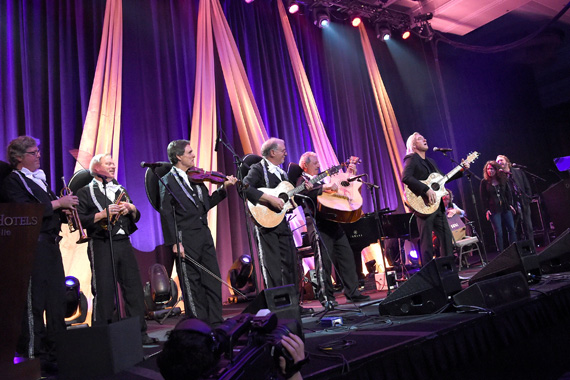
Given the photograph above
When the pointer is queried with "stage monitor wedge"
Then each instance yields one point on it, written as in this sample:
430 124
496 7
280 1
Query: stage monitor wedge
425 292
494 292
517 257
556 257
281 300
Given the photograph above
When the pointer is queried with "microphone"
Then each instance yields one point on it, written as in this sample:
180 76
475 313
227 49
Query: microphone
356 177
442 150
152 165
217 145
519 166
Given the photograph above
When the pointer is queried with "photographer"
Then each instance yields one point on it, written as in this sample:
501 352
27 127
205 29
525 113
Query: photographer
193 350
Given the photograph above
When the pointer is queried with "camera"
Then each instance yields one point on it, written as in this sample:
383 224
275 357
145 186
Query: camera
243 347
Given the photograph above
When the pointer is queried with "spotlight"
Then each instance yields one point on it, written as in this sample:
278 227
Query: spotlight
160 294
406 34
356 21
75 302
383 31
249 1
293 7
321 17
240 277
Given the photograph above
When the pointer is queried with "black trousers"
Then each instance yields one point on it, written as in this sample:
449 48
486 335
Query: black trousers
437 223
46 293
128 278
202 292
334 248
277 254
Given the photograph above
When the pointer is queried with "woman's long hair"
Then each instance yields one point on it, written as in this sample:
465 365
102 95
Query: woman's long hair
500 176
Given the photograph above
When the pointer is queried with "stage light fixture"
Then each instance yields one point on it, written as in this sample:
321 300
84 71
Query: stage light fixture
248 1
406 34
75 302
240 276
293 7
356 20
321 17
160 294
383 31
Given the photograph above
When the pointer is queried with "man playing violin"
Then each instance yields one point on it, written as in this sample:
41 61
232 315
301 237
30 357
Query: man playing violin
94 201
202 290
334 243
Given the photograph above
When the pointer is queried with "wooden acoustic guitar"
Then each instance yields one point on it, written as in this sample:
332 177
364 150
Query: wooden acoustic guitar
436 182
268 217
344 206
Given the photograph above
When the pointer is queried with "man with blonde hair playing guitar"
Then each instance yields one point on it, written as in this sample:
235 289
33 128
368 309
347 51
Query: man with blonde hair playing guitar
417 168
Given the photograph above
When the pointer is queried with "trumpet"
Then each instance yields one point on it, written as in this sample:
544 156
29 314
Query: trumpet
73 220
114 218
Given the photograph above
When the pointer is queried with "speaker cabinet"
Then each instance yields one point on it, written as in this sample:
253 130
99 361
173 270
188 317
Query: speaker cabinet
557 203
495 292
282 300
518 257
94 352
426 291
556 257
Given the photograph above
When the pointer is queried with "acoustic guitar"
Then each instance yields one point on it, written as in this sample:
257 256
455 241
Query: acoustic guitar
268 217
344 206
436 182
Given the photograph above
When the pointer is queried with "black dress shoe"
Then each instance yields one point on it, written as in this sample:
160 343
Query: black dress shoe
147 340
306 310
358 298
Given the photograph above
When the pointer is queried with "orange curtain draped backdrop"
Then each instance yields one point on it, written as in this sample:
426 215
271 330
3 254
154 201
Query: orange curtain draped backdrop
102 128
320 140
394 141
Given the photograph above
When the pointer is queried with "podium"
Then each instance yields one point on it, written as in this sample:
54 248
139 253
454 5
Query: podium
20 225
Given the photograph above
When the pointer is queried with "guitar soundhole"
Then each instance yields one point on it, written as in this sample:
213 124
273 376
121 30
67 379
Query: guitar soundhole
284 197
435 186
345 183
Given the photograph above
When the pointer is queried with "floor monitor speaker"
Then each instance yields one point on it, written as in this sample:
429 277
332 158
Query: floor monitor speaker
494 292
556 257
426 291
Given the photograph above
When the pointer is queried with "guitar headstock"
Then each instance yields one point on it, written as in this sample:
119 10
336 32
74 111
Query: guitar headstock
471 157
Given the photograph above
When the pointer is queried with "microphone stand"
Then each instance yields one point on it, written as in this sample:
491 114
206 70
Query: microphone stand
480 236
379 230
179 264
111 250
238 162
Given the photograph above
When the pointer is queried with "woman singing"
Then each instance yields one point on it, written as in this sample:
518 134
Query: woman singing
496 196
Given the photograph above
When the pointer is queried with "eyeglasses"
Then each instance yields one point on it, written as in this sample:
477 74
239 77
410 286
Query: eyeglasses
280 150
34 152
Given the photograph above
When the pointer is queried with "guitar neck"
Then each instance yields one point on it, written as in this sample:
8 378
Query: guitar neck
452 173
313 180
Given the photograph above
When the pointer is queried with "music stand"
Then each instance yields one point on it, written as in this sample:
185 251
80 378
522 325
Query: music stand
400 226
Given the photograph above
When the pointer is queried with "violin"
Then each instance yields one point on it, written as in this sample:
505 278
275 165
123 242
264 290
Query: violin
199 175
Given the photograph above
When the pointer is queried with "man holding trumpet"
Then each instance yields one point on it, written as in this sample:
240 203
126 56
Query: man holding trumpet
46 293
120 224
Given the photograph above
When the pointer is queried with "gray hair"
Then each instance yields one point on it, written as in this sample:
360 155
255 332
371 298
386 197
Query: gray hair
270 145
176 148
306 159
96 160
18 147
410 143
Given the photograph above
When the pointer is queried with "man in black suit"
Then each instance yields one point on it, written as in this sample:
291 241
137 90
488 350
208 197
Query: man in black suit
92 212
417 167
277 252
202 291
334 243
27 184
522 193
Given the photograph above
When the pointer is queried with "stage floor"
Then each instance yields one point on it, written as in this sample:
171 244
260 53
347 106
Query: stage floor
524 340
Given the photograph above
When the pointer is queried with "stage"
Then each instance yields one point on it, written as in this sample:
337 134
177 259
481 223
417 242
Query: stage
523 340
